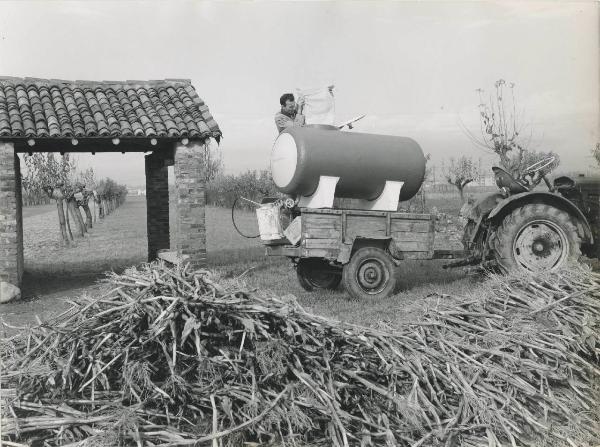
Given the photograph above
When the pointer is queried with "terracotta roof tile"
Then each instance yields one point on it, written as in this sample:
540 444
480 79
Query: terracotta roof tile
66 129
31 107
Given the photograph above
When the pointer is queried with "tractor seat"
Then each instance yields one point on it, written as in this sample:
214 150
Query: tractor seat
505 180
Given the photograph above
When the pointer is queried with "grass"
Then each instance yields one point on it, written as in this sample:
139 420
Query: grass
421 284
30 211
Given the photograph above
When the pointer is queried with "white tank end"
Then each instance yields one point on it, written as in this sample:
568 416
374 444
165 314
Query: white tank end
284 160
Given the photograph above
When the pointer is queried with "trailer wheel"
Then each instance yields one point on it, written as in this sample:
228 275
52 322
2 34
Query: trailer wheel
370 274
317 274
535 238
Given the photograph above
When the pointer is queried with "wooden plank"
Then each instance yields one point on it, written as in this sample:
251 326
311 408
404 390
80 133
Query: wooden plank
411 216
419 226
312 215
431 238
309 211
282 250
321 243
319 219
310 223
351 212
388 225
319 253
326 226
322 224
322 233
365 226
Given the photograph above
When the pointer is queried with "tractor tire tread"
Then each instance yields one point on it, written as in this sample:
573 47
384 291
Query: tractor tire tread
501 241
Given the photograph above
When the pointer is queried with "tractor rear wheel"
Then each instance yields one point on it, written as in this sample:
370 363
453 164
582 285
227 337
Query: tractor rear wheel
316 273
370 274
536 238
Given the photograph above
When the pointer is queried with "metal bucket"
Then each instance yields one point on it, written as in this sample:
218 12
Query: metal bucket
269 222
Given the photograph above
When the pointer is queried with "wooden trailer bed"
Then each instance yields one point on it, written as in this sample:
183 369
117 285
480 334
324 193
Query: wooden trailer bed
331 233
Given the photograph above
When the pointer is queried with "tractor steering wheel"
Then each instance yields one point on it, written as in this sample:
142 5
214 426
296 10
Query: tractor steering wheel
539 165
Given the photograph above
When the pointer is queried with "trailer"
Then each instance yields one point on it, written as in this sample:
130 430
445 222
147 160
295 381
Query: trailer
361 248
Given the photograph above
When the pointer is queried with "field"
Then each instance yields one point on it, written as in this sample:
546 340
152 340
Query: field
55 272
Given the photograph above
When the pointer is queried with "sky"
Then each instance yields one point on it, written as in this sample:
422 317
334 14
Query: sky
412 67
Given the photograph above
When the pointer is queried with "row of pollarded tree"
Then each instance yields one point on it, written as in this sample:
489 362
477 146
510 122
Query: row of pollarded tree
58 179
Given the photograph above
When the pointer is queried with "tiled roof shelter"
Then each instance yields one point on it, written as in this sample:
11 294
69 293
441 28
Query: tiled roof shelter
164 117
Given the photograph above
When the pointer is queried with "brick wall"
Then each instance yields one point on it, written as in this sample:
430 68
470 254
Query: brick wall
190 194
11 216
157 204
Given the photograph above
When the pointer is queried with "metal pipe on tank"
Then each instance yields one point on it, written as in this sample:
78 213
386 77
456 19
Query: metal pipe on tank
363 162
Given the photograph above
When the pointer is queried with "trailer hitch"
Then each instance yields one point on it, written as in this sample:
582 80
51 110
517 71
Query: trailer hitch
471 260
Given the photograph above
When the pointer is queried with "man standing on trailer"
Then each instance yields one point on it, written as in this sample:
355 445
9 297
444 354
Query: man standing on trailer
291 112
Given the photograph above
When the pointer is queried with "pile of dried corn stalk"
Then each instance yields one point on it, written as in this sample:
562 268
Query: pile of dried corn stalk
168 357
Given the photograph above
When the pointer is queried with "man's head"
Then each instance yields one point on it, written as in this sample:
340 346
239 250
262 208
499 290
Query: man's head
288 103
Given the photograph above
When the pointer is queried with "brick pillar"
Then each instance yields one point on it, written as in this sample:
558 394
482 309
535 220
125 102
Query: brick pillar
190 193
19 200
11 224
157 204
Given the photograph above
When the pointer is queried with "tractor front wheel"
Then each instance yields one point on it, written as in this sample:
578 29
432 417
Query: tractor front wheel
370 274
536 238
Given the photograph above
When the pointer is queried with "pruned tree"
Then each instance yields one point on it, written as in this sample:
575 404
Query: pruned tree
48 173
57 177
110 195
502 132
460 172
212 162
86 185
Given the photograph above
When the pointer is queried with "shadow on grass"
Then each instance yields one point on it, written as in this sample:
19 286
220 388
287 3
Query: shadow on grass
40 280
411 274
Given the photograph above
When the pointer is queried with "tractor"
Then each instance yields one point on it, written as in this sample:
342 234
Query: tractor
360 242
522 227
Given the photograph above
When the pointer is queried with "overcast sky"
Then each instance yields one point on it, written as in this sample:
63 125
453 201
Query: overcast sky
412 67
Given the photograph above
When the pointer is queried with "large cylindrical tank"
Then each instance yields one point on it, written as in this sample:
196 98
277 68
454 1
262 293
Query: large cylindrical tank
362 161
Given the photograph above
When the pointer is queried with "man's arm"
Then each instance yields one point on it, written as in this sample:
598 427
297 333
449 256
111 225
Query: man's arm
300 119
283 122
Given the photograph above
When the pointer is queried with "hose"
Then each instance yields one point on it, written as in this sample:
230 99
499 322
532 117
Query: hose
234 224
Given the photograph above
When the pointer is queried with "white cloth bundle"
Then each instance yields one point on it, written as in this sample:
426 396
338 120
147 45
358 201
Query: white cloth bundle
319 105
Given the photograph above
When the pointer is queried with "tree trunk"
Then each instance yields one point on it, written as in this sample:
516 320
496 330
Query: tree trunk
80 218
61 220
88 215
461 190
69 222
76 218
